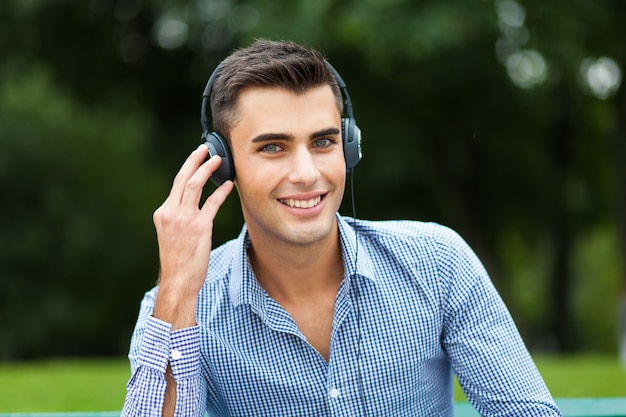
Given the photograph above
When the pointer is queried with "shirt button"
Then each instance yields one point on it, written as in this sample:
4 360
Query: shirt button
334 393
176 354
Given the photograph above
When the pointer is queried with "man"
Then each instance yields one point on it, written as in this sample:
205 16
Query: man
308 313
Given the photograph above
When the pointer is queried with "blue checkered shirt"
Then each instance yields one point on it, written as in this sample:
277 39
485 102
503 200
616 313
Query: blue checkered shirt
415 306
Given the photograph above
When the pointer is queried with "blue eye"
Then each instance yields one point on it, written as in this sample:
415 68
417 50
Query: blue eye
323 143
271 148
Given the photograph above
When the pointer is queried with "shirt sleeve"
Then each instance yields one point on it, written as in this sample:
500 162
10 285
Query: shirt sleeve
487 353
153 346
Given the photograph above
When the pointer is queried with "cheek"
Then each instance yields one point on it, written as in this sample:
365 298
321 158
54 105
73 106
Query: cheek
255 175
253 182
338 171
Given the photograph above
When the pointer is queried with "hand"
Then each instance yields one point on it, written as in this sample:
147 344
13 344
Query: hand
184 234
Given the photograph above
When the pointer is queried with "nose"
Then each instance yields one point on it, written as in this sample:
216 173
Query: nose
303 169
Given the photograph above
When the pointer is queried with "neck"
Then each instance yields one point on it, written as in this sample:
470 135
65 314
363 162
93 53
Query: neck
293 274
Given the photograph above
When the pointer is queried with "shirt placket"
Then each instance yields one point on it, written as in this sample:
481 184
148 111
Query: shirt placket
343 371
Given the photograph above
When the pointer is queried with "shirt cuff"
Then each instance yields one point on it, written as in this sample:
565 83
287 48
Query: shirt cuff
185 352
179 348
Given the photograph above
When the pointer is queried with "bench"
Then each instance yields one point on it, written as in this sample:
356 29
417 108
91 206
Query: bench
570 407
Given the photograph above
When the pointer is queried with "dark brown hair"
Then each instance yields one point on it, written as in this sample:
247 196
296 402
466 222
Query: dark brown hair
269 64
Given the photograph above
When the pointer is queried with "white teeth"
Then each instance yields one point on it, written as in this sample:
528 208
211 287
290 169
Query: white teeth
302 203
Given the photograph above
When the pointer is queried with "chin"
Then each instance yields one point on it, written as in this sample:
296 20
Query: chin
312 233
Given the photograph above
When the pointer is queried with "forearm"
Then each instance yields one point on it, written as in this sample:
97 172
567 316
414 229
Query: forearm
169 402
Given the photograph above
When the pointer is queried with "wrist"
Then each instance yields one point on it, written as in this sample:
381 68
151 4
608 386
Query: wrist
176 306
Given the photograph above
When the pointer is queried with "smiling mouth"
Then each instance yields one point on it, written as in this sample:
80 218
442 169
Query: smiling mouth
310 203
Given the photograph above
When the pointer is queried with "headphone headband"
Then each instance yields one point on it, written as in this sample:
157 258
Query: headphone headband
204 120
347 103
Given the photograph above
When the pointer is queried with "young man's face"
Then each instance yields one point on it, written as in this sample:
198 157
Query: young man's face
289 164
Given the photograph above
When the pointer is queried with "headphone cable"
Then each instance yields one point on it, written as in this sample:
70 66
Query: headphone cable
356 297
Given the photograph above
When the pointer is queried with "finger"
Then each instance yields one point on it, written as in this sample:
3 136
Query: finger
187 170
193 188
215 200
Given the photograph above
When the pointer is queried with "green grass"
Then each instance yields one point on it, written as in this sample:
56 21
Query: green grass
63 385
577 376
100 385
583 376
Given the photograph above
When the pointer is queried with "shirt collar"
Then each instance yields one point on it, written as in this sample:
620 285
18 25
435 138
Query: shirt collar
356 259
245 289
243 286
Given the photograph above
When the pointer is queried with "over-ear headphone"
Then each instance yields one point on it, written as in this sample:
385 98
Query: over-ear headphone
350 132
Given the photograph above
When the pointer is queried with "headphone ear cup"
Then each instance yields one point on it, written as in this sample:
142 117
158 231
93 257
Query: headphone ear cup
351 135
218 146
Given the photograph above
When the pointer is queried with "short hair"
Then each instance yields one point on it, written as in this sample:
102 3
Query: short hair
268 64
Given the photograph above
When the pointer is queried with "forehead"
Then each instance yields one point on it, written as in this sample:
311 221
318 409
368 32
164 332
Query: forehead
278 110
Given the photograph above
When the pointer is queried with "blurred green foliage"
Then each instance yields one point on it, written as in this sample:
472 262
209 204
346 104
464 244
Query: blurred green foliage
503 119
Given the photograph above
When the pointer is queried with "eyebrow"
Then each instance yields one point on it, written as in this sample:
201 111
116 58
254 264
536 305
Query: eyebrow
325 132
268 137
